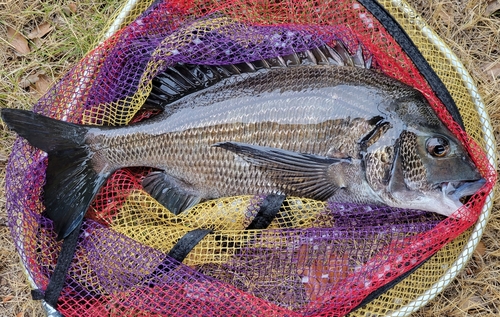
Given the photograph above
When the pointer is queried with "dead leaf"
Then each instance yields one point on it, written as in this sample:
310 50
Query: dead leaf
31 79
41 30
18 41
70 9
42 84
7 298
66 11
73 7
480 249
492 7
20 314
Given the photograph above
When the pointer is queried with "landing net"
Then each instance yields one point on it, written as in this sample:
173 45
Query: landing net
314 259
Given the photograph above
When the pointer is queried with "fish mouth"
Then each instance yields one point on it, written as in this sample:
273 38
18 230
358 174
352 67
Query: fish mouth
461 191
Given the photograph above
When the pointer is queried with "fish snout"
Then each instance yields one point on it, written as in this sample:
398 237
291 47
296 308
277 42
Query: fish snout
462 189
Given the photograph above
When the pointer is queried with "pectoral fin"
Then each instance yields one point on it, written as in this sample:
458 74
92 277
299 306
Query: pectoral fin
306 175
172 193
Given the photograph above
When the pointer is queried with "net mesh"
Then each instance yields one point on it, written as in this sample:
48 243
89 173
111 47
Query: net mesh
315 258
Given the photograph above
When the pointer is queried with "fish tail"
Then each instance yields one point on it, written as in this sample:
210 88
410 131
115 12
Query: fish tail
71 181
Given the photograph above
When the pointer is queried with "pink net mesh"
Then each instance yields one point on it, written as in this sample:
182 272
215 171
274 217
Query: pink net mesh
319 262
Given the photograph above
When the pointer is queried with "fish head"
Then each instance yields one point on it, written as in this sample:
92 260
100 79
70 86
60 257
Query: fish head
431 170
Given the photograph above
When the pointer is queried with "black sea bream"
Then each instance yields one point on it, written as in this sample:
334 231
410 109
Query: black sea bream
317 130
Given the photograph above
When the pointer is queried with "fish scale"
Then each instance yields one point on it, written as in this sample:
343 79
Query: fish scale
325 132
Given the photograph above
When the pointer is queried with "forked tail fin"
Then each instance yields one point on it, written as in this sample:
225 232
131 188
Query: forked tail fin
71 181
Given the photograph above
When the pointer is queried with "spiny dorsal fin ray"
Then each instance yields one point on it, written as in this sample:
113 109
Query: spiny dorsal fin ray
183 79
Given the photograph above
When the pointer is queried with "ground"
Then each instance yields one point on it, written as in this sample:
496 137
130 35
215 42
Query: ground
61 32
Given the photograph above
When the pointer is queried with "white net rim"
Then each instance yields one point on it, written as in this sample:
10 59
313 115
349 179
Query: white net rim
490 149
487 130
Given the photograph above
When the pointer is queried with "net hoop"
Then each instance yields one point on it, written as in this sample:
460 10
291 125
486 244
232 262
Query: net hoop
413 17
489 146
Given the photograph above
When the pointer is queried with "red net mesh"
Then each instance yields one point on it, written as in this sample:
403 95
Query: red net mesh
320 259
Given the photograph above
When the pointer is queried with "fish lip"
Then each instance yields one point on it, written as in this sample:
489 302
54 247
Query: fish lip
459 189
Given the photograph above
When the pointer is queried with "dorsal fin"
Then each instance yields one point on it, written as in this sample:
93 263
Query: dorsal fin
183 79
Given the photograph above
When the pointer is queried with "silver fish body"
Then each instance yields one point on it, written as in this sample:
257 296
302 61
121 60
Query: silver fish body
361 130
344 134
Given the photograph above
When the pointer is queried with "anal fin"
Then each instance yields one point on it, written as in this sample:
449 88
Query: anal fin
172 193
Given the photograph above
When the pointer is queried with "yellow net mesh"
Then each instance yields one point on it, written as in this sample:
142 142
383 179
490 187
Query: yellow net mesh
130 232
433 270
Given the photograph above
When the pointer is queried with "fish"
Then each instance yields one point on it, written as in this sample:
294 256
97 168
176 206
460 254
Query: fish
318 124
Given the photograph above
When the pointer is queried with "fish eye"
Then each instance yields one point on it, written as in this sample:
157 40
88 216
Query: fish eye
438 146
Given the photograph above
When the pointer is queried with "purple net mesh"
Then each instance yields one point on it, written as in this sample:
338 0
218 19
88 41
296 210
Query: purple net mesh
315 259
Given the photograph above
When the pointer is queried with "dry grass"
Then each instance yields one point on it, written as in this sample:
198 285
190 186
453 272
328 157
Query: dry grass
76 27
472 35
